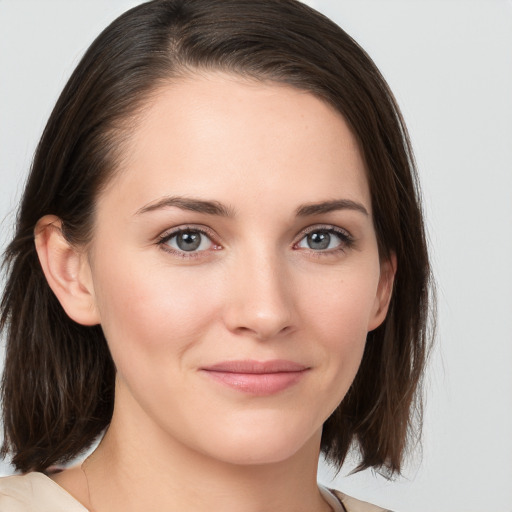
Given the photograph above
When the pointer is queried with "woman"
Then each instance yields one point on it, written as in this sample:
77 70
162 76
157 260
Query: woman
219 264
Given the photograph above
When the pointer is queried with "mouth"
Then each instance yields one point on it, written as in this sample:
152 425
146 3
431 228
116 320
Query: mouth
257 377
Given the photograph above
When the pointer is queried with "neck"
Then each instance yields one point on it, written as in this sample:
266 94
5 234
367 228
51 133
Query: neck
168 476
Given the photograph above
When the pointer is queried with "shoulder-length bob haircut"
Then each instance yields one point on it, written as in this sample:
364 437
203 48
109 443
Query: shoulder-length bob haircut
58 383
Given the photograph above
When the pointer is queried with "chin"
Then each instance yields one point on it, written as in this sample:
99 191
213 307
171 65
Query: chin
265 447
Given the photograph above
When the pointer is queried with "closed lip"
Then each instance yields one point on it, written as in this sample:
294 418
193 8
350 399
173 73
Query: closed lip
259 378
257 367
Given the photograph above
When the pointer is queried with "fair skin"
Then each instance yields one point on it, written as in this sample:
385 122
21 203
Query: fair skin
235 272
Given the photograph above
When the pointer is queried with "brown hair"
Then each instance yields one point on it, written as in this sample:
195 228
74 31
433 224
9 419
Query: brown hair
58 383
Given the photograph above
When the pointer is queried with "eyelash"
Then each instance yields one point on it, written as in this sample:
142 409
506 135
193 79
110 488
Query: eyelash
346 240
164 239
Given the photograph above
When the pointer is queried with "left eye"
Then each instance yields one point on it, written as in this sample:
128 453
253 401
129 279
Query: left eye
322 240
190 240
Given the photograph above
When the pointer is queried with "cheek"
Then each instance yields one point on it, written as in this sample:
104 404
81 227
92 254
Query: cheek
151 311
343 301
339 312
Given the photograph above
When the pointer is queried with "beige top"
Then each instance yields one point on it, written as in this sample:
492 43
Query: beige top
35 492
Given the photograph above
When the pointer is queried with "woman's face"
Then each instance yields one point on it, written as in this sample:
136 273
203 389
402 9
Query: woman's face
235 268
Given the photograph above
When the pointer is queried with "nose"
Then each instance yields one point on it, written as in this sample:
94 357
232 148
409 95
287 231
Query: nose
260 298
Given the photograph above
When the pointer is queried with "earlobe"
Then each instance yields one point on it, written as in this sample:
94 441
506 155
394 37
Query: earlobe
67 271
384 291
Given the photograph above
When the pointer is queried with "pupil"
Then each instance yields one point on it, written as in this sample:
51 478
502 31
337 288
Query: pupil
319 240
188 241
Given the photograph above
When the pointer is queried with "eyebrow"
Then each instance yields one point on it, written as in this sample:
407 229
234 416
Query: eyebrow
217 208
188 203
330 206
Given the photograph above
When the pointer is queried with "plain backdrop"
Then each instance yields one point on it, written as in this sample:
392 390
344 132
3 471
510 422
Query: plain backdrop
449 63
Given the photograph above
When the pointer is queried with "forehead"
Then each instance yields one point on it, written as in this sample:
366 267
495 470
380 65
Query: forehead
223 136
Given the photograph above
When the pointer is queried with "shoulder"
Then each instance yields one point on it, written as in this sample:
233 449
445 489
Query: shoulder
35 492
355 505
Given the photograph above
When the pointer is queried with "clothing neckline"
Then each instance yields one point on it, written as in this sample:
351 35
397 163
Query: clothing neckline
332 500
31 485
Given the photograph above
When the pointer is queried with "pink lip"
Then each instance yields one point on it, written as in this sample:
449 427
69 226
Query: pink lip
255 377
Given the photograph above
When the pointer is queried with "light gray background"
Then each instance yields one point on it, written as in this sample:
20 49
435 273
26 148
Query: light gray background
449 63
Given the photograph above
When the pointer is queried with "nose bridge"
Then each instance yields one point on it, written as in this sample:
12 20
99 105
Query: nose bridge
261 300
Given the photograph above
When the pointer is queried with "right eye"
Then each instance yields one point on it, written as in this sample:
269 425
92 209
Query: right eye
187 240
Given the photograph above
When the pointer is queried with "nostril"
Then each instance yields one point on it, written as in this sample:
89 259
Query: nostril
263 332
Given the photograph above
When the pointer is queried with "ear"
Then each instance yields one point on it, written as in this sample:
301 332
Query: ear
384 292
67 271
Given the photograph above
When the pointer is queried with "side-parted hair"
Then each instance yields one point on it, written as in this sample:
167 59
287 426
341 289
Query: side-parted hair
58 382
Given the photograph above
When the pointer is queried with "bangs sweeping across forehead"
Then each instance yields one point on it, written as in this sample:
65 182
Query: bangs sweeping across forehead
58 384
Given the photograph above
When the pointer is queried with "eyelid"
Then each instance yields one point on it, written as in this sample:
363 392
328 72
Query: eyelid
166 235
326 227
346 237
344 233
187 227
